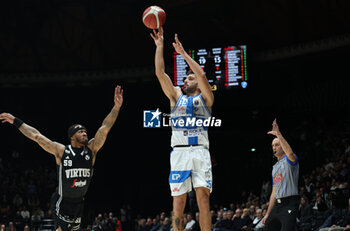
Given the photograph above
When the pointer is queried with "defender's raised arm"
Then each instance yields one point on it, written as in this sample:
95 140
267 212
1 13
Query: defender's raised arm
101 135
51 147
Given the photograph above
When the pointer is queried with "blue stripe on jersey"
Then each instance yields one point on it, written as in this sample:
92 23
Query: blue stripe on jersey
179 176
189 108
290 162
193 140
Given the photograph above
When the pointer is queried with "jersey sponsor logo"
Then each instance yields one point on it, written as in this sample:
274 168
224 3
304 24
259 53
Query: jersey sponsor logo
67 151
77 183
175 176
183 108
278 178
87 157
176 190
77 172
179 176
196 132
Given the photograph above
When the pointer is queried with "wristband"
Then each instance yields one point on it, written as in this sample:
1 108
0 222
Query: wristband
17 122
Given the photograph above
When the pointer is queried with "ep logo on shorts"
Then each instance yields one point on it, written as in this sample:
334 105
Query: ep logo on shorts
151 118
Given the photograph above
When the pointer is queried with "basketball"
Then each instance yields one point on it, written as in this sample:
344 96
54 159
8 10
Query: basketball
153 17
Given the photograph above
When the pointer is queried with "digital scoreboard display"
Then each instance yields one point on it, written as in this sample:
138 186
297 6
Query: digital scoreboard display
224 67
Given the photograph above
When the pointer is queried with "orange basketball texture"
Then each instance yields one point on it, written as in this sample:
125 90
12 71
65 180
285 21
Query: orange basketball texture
153 17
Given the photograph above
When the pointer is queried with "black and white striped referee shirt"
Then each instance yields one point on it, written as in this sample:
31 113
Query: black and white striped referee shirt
285 177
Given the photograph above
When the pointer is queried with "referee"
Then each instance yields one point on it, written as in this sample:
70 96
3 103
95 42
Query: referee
284 200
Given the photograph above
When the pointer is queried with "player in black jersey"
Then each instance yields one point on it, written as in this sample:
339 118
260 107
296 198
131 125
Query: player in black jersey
74 163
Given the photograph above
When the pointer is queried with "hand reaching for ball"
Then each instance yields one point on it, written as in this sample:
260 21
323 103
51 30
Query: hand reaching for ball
178 46
158 36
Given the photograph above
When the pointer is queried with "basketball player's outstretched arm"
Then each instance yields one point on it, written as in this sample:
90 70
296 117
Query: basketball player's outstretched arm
284 144
51 147
101 134
203 83
168 88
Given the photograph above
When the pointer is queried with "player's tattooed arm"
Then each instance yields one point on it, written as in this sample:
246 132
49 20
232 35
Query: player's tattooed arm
44 142
33 134
101 135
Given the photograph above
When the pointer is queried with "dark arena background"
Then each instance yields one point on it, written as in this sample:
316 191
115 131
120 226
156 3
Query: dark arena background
60 62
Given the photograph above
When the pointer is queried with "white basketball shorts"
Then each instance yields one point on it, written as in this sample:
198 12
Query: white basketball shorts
190 166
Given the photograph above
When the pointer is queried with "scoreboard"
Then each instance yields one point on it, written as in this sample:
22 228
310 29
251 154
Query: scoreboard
224 67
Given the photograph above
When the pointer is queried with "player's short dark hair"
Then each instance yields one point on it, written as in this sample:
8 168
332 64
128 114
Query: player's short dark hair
189 72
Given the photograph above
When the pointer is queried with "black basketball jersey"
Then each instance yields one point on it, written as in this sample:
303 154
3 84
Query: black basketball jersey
74 173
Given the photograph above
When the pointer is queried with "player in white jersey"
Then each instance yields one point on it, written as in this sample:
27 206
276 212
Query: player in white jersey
190 159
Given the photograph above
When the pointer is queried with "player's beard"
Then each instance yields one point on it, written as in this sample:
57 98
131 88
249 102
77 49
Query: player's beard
190 89
82 141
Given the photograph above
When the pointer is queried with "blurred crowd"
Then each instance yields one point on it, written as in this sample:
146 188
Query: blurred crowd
25 190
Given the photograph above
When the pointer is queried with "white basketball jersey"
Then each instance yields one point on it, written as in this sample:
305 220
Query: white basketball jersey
189 121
